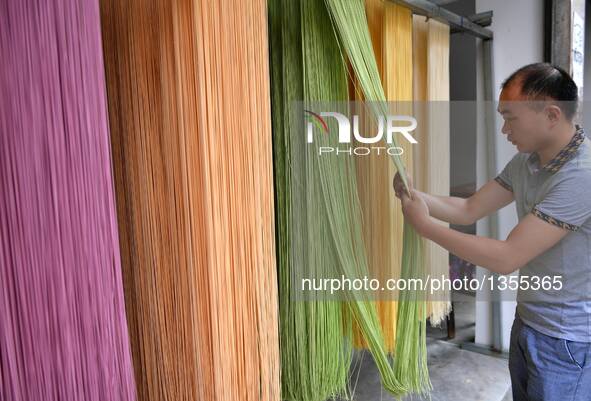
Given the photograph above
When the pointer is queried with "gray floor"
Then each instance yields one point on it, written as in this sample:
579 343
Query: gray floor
457 370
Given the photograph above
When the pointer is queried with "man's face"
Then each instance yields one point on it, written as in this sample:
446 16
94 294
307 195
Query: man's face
525 126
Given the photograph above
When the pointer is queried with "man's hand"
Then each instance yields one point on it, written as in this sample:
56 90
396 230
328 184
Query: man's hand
398 184
415 210
491 197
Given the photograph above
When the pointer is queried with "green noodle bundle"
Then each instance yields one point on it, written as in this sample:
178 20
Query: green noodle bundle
314 336
325 80
350 22
318 212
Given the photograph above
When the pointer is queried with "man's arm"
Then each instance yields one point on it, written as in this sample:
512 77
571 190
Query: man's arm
464 211
531 237
489 198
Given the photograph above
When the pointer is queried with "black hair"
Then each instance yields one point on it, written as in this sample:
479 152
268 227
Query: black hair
540 81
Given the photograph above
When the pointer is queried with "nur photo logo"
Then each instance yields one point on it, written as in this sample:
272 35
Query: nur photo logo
381 141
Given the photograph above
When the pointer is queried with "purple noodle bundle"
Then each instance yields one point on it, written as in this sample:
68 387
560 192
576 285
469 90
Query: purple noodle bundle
63 332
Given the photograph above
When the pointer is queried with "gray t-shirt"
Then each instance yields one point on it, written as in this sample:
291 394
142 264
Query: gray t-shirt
559 193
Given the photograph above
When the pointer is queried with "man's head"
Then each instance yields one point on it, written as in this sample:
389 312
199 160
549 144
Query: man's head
535 101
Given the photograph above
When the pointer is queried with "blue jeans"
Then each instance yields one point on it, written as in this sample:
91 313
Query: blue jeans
548 368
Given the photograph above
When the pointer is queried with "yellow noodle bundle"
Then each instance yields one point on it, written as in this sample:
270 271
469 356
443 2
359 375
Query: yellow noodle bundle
390 27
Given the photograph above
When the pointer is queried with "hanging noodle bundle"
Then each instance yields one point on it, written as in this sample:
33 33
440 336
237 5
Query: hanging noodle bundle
314 338
188 86
325 80
431 90
63 332
350 22
390 27
319 215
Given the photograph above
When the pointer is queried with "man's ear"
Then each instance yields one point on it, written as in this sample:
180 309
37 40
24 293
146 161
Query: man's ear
553 113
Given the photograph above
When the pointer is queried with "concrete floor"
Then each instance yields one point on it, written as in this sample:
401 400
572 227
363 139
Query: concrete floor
456 373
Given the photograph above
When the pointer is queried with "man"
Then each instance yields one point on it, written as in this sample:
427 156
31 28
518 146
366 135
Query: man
550 182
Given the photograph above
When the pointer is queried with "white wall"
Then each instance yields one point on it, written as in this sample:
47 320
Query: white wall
587 76
518 28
